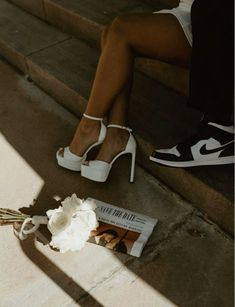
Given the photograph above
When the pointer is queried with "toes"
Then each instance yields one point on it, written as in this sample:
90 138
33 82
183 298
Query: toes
61 152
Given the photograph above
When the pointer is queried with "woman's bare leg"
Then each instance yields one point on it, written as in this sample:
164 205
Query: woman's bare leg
157 36
116 139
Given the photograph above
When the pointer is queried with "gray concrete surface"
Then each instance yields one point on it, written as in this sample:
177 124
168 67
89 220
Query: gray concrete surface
188 260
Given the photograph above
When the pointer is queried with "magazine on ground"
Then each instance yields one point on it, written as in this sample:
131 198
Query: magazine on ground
121 230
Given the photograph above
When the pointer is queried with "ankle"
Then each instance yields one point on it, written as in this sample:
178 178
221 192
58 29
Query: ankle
88 125
86 133
117 134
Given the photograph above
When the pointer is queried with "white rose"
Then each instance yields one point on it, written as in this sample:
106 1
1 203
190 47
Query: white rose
72 223
72 204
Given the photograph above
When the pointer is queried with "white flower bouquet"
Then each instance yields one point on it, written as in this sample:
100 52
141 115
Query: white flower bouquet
70 224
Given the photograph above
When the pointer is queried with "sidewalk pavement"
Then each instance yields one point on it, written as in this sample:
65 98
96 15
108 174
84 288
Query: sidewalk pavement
188 260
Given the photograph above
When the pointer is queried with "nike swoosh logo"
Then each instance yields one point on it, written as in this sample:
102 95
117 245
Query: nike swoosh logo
205 151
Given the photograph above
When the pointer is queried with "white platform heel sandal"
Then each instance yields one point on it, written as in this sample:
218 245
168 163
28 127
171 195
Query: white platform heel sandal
67 159
99 170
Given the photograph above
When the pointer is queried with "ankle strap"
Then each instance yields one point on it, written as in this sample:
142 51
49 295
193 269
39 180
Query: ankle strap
92 117
120 127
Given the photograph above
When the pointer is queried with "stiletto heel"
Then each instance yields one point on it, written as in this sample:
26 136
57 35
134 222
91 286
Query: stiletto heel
99 170
132 167
67 159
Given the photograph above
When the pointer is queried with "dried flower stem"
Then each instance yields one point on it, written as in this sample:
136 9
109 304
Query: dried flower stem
8 216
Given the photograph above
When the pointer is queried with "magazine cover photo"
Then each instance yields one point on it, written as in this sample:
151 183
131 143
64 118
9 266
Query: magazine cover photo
113 237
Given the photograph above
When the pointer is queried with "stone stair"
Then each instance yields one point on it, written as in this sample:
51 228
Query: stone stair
54 42
86 19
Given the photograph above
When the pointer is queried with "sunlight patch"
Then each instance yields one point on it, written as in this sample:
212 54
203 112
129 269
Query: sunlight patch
20 185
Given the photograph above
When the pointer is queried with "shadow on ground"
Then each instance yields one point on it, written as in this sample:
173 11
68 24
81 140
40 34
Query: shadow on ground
35 130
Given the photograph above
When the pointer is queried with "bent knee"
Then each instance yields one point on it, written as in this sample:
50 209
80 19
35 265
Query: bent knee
120 26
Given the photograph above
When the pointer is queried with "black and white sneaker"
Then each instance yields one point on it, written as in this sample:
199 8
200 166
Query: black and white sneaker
213 145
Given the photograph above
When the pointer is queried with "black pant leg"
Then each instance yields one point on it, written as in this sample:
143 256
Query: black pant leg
212 65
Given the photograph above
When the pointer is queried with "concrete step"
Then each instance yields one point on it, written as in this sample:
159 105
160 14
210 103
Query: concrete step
50 58
86 19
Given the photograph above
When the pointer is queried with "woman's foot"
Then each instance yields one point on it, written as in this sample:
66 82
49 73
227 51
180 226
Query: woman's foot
87 133
115 142
90 133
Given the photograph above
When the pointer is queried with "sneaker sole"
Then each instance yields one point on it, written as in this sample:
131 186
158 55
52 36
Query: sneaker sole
220 161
